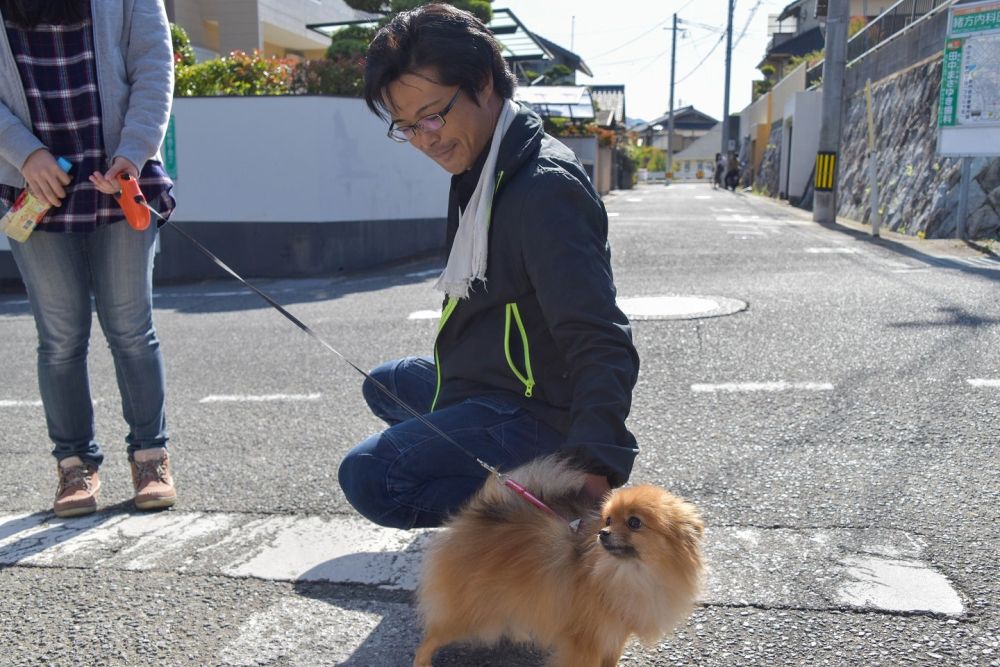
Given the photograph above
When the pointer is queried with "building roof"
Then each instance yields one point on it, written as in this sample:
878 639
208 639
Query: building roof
685 118
610 101
557 101
704 147
572 60
792 9
517 41
799 45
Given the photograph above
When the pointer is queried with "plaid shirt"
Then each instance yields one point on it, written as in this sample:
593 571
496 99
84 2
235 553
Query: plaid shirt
57 68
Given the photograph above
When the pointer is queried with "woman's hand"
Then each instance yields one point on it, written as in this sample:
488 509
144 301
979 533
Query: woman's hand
108 183
46 179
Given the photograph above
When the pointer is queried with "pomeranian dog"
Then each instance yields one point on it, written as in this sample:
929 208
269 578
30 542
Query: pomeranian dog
504 568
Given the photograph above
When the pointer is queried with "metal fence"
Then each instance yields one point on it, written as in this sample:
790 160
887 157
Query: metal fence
890 22
893 20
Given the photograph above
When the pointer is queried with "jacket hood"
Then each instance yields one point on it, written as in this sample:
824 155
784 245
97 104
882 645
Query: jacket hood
521 142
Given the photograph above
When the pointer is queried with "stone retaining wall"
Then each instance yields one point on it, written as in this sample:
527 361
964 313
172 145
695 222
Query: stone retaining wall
918 189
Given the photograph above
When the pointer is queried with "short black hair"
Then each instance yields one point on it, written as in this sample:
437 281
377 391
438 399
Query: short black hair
453 42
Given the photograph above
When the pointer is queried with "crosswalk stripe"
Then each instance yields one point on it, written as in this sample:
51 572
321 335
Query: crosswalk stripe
872 569
264 398
760 386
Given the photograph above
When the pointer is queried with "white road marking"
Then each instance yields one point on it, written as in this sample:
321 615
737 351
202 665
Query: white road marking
837 250
900 585
424 274
745 232
613 215
703 196
650 307
983 382
19 404
761 386
265 398
424 315
634 199
869 568
303 632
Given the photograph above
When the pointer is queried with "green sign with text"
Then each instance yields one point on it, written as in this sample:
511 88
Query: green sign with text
169 150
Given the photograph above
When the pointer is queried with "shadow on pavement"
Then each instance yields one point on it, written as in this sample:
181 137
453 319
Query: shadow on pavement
393 641
60 531
229 295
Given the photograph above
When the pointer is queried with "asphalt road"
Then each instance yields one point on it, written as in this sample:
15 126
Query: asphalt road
840 432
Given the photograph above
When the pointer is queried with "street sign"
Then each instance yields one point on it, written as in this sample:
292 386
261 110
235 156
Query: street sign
969 102
169 150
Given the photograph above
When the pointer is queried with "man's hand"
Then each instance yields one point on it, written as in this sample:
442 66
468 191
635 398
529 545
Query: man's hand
46 180
596 486
108 183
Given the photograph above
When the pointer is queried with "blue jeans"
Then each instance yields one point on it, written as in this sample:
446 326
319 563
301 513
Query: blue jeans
61 271
409 477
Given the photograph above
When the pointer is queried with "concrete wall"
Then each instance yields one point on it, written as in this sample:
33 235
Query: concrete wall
803 113
785 89
586 152
755 123
275 27
293 186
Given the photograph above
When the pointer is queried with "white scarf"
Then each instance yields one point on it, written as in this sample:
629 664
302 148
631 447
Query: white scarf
467 260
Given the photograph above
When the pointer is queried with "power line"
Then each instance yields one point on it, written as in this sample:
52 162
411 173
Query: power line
702 62
631 41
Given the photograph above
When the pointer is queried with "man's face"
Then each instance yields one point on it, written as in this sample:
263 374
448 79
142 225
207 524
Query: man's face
468 127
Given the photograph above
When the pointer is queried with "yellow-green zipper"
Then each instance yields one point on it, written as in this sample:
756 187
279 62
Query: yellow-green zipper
446 312
527 380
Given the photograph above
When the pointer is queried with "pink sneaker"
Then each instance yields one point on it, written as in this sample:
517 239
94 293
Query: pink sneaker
151 478
78 488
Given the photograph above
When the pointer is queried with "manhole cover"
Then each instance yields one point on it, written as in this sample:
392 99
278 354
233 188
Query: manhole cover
679 307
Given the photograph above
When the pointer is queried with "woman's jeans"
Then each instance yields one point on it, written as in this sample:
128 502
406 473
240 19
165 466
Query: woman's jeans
61 271
410 477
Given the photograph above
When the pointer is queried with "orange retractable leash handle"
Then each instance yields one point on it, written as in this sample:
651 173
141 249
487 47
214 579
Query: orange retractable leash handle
132 202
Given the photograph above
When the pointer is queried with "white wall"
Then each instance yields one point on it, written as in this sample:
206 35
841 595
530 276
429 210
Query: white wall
803 112
297 159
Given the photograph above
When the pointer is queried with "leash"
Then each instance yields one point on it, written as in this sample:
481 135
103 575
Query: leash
130 190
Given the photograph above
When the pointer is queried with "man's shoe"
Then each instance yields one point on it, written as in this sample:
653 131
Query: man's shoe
151 478
78 488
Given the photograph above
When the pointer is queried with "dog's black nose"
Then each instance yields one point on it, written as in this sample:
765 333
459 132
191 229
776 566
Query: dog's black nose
604 535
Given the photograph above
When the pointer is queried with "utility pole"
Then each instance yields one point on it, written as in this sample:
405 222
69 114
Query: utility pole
729 67
670 121
834 61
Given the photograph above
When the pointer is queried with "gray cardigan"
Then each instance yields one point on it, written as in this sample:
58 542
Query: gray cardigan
135 81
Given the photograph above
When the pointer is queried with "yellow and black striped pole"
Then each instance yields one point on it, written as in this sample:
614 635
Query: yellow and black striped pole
826 171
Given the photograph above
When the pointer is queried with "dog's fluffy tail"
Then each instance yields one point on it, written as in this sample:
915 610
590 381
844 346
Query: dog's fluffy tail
547 478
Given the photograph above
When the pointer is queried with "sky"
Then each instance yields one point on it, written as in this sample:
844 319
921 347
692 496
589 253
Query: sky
628 42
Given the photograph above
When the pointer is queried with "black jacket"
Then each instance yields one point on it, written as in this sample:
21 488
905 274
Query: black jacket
544 329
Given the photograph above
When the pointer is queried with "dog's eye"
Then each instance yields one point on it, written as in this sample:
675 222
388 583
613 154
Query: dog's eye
608 522
633 523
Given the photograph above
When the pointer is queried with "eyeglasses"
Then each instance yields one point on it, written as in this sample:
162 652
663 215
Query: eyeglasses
432 123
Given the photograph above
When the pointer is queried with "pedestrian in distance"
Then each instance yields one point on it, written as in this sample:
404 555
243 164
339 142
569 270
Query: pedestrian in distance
720 168
90 82
732 172
532 355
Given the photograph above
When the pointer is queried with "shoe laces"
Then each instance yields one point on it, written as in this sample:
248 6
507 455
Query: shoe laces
76 477
151 471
